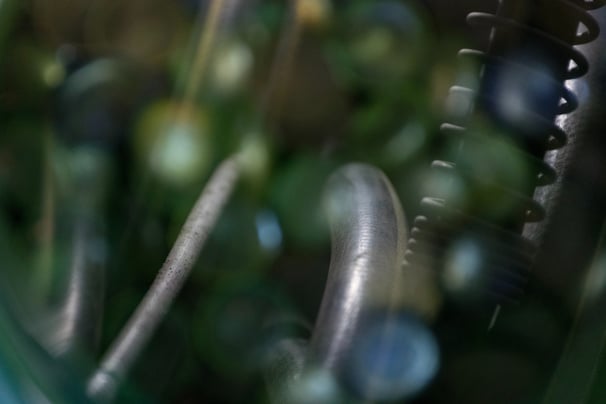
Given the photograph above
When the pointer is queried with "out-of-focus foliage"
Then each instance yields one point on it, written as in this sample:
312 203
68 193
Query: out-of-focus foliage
116 111
99 116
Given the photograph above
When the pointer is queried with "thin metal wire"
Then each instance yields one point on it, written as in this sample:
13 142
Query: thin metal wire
131 341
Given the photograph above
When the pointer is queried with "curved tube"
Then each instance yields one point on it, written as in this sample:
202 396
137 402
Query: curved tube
368 343
368 242
76 325
121 355
69 319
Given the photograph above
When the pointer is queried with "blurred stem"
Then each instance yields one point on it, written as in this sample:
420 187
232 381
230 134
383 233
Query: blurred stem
135 335
8 10
283 60
205 43
576 371
47 222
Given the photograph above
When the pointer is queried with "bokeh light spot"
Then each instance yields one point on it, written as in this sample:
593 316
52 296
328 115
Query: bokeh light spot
394 356
268 230
462 265
173 142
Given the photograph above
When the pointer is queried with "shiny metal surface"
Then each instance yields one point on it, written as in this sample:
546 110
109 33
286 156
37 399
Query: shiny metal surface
368 241
368 342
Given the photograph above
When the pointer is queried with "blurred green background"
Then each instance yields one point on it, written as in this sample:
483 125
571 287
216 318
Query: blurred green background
117 112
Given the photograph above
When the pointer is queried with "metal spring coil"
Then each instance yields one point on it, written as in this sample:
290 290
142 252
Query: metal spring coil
506 254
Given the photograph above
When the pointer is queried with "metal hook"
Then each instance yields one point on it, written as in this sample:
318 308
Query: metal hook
363 314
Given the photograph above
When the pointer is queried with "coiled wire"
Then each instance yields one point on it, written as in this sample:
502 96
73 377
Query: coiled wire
505 254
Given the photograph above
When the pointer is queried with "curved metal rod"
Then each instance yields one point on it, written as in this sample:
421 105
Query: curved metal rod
368 241
76 324
121 355
368 342
70 318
